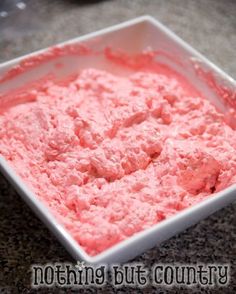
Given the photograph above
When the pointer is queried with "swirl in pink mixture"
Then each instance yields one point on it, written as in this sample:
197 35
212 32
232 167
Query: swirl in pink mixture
111 156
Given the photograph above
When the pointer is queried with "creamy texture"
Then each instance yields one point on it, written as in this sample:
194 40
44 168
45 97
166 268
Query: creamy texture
111 156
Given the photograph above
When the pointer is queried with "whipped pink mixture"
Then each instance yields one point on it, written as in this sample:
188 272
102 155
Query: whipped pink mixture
111 156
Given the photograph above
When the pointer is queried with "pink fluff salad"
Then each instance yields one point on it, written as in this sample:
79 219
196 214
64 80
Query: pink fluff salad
111 156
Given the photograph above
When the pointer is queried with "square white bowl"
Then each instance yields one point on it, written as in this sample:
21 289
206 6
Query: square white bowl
132 36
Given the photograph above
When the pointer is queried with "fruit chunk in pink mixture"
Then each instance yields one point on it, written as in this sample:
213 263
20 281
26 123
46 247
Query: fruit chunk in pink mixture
111 156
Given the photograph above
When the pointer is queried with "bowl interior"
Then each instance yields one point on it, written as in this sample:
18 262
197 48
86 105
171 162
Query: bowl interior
129 39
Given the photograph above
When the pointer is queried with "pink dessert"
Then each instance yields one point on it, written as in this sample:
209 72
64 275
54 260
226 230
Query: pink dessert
111 156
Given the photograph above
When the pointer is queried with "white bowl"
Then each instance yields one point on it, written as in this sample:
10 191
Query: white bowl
131 36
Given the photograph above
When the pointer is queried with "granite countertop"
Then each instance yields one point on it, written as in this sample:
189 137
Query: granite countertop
210 27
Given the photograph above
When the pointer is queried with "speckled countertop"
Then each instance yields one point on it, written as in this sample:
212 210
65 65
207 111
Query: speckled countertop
208 25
